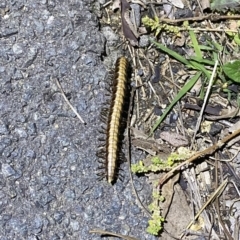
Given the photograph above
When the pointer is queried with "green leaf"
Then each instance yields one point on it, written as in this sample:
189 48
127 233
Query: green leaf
180 94
232 70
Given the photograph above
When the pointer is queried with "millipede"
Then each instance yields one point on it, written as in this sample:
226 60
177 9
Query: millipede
115 118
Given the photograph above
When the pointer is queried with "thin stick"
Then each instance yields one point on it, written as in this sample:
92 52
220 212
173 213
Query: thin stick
226 160
207 30
129 154
211 17
107 3
204 104
218 192
102 232
205 152
69 104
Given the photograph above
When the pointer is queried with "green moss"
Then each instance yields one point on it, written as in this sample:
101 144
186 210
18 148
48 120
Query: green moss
157 196
156 26
155 224
158 164
173 158
138 167
156 160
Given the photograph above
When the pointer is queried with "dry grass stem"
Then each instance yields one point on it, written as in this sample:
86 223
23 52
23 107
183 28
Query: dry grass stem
69 104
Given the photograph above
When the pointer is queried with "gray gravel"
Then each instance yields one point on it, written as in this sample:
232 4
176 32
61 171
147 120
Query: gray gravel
48 184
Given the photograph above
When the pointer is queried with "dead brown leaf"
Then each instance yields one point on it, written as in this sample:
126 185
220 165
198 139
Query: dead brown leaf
213 110
225 113
150 145
179 214
174 139
127 26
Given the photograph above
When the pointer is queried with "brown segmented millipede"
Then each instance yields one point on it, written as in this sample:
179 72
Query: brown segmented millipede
114 117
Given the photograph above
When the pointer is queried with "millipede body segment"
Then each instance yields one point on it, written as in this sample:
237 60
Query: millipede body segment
115 116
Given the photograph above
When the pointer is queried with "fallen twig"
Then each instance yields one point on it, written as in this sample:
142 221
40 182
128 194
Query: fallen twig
212 17
102 232
69 104
129 155
218 192
200 154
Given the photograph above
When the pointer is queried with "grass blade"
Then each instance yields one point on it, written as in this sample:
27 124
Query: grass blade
195 44
180 94
201 60
190 64
201 68
177 56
